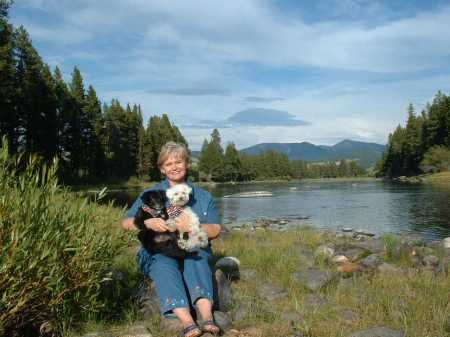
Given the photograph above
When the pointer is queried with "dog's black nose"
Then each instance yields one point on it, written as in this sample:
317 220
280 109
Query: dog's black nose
185 235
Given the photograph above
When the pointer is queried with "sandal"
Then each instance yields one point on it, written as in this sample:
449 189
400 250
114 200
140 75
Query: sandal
211 327
191 331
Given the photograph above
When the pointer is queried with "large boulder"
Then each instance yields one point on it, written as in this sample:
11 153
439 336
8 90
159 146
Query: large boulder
147 299
229 265
271 292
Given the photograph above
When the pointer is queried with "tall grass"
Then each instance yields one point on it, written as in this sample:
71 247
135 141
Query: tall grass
55 251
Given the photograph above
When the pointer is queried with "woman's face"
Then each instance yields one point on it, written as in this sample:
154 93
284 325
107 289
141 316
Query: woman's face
174 168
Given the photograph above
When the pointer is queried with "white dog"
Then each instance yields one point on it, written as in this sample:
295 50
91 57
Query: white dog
178 196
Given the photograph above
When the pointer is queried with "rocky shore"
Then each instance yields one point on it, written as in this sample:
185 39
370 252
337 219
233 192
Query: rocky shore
327 266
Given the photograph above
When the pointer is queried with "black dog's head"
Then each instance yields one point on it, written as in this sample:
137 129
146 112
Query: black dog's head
153 206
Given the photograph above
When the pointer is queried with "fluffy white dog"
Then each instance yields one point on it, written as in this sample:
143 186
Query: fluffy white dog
178 196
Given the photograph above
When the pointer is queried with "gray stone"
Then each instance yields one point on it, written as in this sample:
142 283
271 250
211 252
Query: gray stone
271 292
240 311
353 253
223 293
307 257
229 265
347 229
223 320
325 250
413 239
147 299
373 245
371 262
171 325
314 279
430 261
364 232
339 259
378 332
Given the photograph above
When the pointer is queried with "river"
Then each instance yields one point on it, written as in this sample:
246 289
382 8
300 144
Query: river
371 205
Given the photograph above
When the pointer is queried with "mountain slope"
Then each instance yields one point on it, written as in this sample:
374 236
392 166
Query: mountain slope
365 153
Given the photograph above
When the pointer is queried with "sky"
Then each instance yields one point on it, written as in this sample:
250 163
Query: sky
258 71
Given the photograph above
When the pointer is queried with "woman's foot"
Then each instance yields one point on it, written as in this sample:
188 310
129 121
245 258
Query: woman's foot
211 327
191 331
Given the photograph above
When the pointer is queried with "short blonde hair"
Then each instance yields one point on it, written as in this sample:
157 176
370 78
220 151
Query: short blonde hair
172 148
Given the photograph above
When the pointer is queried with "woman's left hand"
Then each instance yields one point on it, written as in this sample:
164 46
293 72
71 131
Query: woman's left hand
182 223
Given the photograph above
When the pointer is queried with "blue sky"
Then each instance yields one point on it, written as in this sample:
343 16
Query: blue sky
259 71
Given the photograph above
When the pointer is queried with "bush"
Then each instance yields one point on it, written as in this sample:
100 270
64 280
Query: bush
55 250
436 159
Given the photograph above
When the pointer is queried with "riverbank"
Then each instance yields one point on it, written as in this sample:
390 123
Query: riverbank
306 282
441 179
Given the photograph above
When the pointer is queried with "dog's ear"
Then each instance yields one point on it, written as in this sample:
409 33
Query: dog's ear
169 193
188 189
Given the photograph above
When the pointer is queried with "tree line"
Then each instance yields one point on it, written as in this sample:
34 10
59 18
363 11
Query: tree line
42 114
216 164
423 145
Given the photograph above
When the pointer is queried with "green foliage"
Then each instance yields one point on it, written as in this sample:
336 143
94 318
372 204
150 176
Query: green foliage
408 145
436 159
55 249
212 158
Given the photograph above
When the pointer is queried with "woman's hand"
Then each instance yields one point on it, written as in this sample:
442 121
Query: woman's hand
182 222
156 224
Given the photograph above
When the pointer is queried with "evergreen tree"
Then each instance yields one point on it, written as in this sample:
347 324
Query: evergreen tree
9 121
231 164
211 158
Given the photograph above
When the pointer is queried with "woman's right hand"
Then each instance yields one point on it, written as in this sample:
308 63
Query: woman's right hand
156 224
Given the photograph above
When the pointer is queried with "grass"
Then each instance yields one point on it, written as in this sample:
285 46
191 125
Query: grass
416 303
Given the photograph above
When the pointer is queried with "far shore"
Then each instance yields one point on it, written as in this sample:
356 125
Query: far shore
436 179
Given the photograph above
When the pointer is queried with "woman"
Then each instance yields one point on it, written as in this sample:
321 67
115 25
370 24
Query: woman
172 276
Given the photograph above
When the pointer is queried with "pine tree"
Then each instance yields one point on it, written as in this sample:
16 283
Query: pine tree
9 119
211 158
231 164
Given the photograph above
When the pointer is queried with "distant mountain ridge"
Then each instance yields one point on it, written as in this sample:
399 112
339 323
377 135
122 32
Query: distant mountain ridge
365 153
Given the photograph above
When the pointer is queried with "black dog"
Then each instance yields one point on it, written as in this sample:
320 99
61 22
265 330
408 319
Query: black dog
153 206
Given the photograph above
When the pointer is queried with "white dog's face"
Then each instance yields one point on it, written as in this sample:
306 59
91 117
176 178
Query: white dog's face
179 194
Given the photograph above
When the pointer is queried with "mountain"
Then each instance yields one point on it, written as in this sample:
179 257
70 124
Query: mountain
365 153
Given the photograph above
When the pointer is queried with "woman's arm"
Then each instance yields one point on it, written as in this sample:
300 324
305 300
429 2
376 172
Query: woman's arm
213 230
156 224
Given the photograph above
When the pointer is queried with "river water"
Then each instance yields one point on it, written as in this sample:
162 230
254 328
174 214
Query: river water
372 205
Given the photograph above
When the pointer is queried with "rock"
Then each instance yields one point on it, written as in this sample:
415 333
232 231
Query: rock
171 325
386 268
271 292
307 257
339 259
446 243
371 262
347 229
251 332
430 261
354 253
223 320
147 299
373 245
364 232
292 318
223 294
248 274
314 279
229 265
325 250
378 332
348 267
413 239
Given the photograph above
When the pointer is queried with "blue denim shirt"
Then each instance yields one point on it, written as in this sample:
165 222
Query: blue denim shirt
200 201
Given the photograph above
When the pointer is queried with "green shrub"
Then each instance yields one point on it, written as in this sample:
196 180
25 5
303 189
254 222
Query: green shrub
55 250
436 159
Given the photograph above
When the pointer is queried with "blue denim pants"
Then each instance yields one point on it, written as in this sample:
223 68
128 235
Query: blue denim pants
178 283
